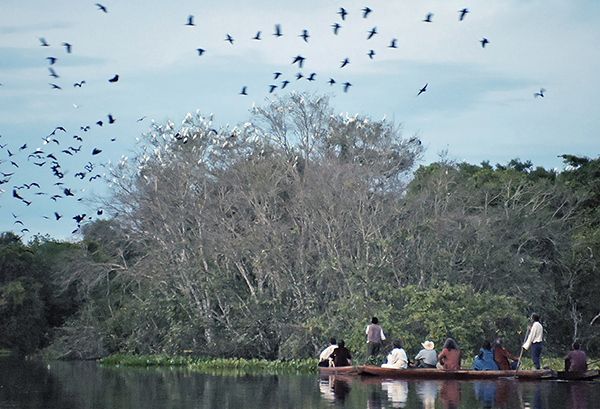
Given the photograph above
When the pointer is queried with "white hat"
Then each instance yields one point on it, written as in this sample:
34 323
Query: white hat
428 345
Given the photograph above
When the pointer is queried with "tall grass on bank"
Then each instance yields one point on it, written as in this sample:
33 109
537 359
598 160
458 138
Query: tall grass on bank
206 364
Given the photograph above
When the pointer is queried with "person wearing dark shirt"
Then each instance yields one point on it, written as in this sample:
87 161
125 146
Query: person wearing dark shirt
450 357
341 355
576 361
502 356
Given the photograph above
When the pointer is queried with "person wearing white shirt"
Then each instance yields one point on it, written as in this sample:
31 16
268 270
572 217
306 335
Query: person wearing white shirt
534 340
326 354
397 358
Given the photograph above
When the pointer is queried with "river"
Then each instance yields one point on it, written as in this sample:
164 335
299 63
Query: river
74 385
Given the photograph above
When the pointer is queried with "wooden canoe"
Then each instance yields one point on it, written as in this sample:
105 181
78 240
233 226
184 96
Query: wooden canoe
422 373
340 370
578 376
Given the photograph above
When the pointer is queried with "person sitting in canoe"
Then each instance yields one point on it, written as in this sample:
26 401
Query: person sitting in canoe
576 361
326 354
502 356
450 357
427 357
485 360
341 355
397 358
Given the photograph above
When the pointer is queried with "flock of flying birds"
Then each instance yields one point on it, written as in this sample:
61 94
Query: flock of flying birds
61 143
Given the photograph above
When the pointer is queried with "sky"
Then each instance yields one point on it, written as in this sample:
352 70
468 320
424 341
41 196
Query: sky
480 103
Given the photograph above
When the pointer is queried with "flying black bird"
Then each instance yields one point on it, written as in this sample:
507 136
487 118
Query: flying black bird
67 47
58 128
114 79
141 119
311 77
79 84
428 18
331 81
200 51
463 13
343 13
299 76
16 194
96 151
304 35
371 53
57 216
346 86
190 21
284 84
111 119
85 128
243 92
44 43
257 36
101 7
484 42
68 192
422 90
393 43
277 32
52 72
23 147
99 212
79 218
372 33
366 12
54 86
277 75
272 88
230 39
99 123
298 59
345 62
51 60
336 28
540 94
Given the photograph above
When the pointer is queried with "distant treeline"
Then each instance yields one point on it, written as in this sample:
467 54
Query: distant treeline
264 240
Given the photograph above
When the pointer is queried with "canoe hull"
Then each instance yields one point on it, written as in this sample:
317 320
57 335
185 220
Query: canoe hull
341 370
421 373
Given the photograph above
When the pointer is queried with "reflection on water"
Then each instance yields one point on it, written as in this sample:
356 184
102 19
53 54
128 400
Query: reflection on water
397 392
75 385
427 392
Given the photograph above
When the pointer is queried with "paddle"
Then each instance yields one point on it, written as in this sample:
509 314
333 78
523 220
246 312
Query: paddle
521 354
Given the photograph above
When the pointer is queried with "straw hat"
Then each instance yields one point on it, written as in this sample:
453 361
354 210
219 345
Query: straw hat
428 345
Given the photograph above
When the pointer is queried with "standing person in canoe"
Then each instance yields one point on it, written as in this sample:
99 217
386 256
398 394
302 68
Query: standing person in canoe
375 337
534 339
427 357
397 358
450 357
485 360
502 356
326 354
341 355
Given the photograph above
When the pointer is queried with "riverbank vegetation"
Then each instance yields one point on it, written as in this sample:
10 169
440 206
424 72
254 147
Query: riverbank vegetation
264 240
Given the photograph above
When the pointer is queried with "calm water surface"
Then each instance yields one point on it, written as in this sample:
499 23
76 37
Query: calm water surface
76 385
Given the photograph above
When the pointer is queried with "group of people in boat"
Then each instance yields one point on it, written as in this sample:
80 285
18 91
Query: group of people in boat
490 357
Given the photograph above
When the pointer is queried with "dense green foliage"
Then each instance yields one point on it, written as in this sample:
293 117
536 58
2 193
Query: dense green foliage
261 242
29 306
208 364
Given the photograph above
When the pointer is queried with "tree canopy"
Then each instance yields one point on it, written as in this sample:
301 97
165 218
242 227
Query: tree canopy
266 239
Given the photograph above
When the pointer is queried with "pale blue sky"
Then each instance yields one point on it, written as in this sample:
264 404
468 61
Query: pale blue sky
479 104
